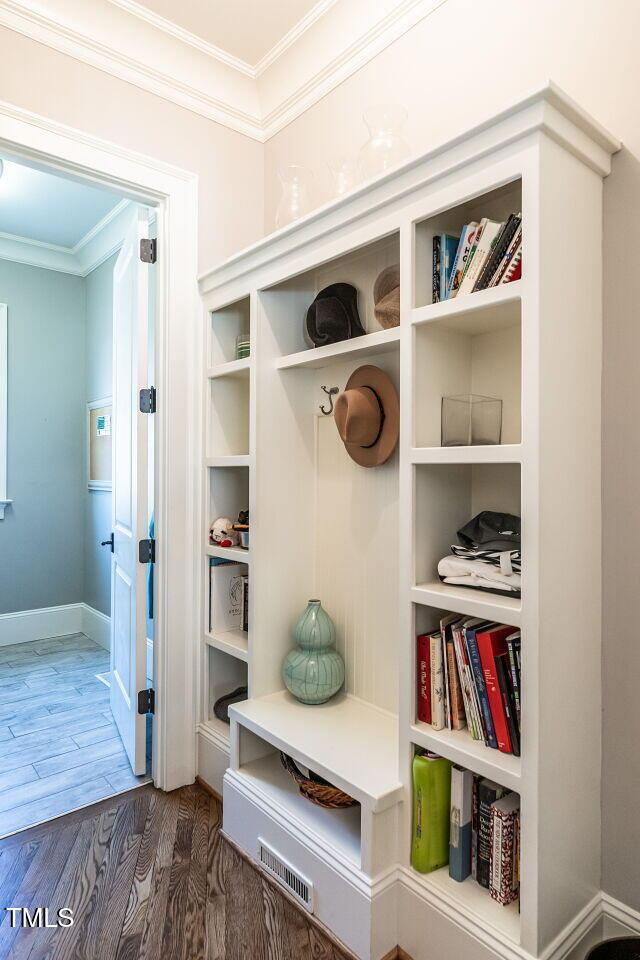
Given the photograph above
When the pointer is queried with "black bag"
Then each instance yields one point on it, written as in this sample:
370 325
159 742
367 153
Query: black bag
491 531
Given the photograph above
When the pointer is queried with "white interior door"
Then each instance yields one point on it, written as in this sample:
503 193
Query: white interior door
130 492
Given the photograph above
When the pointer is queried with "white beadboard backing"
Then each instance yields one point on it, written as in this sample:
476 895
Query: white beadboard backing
356 563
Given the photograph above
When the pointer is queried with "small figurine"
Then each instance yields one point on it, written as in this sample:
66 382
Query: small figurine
222 533
242 528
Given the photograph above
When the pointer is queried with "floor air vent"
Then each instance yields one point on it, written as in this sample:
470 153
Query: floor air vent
285 874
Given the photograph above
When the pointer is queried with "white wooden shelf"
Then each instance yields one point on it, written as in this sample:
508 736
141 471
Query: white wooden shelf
234 368
470 602
474 313
459 747
383 341
233 642
472 901
348 742
235 460
228 553
339 829
496 453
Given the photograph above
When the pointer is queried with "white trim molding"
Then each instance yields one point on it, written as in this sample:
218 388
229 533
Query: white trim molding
97 245
125 39
25 626
4 394
174 194
621 912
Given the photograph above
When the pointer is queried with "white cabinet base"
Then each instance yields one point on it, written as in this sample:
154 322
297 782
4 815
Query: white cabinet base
360 913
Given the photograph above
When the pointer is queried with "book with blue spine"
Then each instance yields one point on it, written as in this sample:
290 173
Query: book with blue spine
448 249
460 823
478 677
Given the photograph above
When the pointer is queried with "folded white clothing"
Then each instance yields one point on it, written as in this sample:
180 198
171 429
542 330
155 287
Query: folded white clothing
475 573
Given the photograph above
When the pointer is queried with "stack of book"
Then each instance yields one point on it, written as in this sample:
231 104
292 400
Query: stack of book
467 821
485 254
468 675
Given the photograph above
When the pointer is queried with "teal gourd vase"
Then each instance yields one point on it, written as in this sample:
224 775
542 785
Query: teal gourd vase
314 670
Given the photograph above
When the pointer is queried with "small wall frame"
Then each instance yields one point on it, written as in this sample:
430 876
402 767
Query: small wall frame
99 427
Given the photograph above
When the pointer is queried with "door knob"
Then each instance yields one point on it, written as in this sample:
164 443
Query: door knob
108 543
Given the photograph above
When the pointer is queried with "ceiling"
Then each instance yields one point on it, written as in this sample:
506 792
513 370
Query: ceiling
243 28
49 208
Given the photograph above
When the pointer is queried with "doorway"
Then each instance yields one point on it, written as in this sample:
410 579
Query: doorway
76 618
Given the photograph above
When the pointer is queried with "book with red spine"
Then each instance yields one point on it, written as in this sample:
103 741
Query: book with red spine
423 645
491 644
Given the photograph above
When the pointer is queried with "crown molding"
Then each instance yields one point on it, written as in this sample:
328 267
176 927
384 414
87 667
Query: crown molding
124 39
292 36
96 246
179 33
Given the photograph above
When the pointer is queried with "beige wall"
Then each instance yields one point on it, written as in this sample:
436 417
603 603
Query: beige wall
492 53
229 165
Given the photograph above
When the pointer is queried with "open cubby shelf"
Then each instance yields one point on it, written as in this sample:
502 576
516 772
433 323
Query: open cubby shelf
233 642
367 541
459 747
228 553
358 348
234 368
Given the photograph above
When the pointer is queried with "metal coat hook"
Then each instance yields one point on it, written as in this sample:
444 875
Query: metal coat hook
330 392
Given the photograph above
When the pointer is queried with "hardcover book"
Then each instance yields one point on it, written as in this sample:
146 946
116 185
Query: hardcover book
503 872
488 793
479 682
225 597
438 717
480 254
423 644
508 701
460 823
467 239
448 247
498 251
435 289
491 644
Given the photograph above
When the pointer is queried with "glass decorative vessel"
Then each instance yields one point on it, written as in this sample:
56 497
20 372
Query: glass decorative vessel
386 147
314 670
295 200
344 173
470 420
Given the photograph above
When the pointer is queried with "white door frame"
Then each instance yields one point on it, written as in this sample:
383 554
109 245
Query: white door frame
174 194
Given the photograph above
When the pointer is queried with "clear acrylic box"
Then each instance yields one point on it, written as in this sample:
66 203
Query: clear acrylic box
471 420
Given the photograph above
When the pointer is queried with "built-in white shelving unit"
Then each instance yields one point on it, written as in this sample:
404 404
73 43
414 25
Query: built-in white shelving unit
367 542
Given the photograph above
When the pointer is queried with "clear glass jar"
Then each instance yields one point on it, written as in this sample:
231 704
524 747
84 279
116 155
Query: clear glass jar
471 420
295 200
344 173
386 147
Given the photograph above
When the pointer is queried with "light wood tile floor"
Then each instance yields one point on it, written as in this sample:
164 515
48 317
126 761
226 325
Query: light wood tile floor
59 747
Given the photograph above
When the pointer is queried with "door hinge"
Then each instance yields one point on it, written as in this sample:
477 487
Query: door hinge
148 251
148 400
147 701
147 551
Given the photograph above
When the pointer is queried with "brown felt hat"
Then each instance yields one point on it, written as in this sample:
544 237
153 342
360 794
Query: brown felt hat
367 415
386 297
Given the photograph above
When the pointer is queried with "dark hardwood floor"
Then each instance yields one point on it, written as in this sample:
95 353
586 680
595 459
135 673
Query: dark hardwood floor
147 876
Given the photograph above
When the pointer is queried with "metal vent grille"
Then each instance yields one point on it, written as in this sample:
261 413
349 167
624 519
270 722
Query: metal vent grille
285 874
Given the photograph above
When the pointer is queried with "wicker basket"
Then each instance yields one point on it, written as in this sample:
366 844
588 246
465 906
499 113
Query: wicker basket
315 789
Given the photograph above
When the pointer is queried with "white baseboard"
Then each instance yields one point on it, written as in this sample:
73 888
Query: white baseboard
96 625
621 913
27 625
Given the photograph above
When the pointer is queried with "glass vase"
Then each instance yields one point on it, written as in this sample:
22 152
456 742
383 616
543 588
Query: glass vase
295 200
314 670
344 173
386 147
